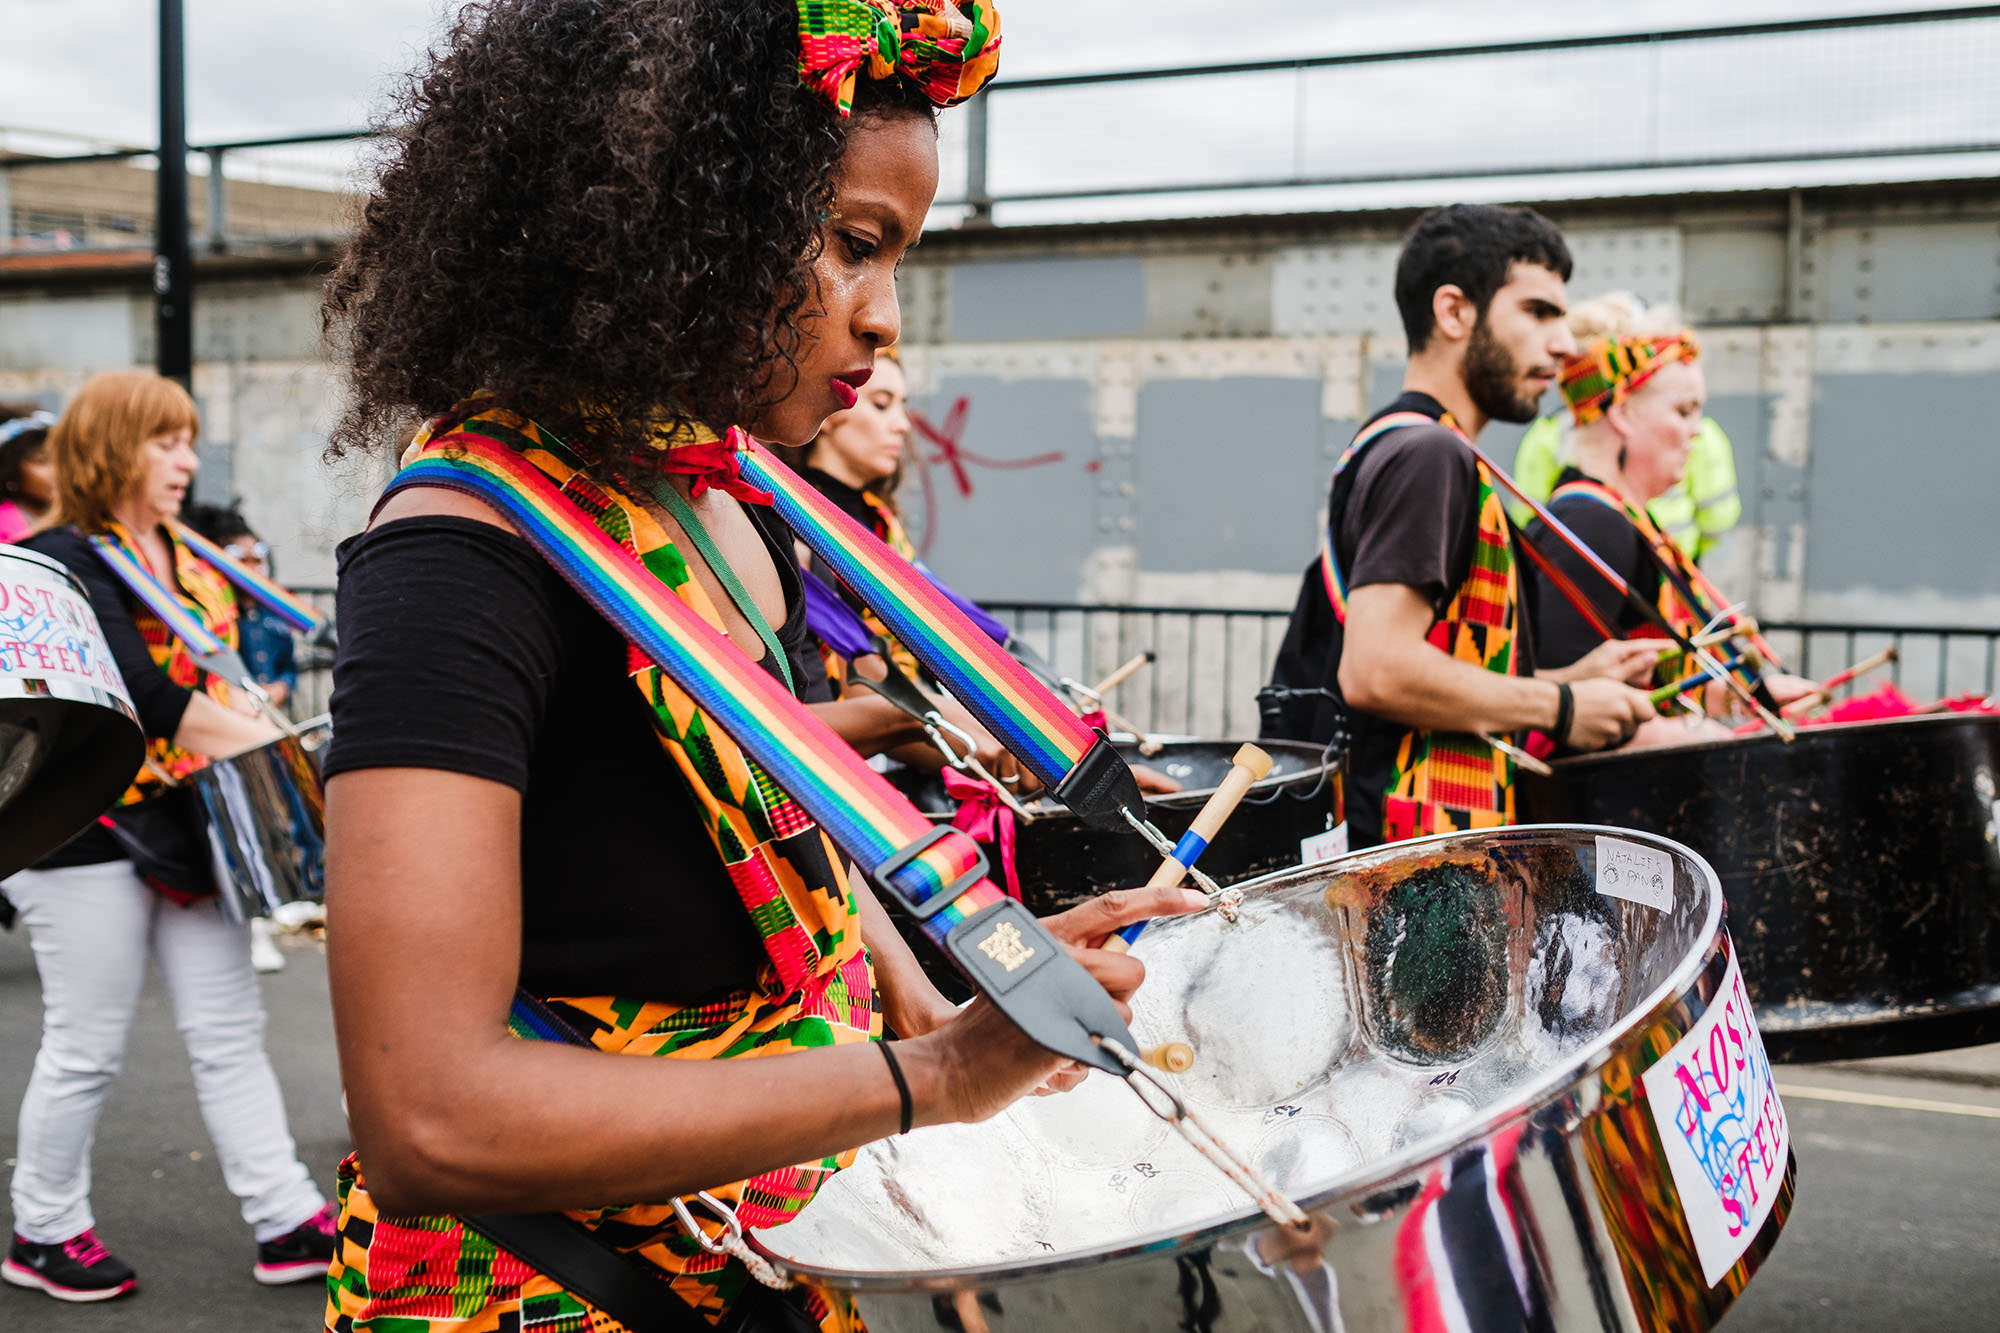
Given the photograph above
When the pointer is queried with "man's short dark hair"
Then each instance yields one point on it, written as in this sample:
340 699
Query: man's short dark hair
1471 247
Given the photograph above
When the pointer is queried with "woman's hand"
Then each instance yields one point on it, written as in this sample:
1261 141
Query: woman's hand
1787 688
979 1063
1152 782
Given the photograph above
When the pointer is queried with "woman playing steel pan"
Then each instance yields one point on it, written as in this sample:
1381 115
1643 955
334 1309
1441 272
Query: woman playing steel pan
608 232
1636 395
137 884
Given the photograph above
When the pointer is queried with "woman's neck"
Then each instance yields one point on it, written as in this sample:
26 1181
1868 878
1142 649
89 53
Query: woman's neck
1595 454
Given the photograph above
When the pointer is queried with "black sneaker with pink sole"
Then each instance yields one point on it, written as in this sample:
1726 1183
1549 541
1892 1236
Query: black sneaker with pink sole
301 1254
77 1269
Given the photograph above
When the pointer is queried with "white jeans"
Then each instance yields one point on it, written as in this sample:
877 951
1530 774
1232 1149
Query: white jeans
92 928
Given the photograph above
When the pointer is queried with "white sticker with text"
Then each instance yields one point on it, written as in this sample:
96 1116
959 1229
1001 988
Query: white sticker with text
1323 846
1638 874
1723 1129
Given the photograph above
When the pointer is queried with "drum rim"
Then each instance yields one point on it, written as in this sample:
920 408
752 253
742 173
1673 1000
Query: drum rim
50 563
306 727
68 690
1831 730
1678 988
1195 798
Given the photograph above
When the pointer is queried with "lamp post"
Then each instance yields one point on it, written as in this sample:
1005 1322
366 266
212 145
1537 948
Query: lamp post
173 261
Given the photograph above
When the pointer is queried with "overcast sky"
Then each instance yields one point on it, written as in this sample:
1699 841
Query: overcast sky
261 68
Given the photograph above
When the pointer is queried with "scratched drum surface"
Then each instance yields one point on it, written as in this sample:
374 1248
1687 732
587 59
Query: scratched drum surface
1355 1015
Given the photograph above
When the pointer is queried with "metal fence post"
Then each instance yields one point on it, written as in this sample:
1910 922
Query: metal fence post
977 193
218 215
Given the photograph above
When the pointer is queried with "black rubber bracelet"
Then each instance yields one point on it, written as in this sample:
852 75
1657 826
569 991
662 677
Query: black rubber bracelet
902 1087
1565 713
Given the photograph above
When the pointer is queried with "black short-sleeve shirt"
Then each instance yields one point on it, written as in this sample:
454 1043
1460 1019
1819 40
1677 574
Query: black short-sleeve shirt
1406 511
461 649
1562 635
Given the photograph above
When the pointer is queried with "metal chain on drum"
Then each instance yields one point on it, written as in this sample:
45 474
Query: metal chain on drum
1204 1140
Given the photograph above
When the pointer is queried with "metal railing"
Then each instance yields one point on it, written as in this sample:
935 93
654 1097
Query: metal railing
1208 663
1913 82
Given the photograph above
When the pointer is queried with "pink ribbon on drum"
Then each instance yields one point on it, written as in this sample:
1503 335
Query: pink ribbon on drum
985 819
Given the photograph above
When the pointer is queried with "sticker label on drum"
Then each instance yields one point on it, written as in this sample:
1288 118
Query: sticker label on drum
1723 1130
1638 874
1323 846
47 633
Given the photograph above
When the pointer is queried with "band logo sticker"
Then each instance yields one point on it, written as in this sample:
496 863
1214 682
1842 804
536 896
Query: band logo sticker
1006 947
1635 873
1722 1128
47 633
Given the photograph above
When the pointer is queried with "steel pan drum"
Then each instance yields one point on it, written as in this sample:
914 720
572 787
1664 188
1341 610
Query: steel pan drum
1860 863
1062 861
267 823
1512 1075
69 738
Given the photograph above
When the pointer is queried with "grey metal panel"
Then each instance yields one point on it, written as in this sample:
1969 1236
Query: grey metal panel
69 332
1936 270
1208 296
1903 477
1733 277
1773 492
1009 299
1021 534
1232 474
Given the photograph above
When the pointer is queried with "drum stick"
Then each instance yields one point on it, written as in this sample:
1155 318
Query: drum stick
1824 694
1679 687
1250 765
1517 754
1121 675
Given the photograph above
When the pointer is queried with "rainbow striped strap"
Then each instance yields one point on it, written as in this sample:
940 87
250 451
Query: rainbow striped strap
298 616
1078 765
181 620
1329 568
935 872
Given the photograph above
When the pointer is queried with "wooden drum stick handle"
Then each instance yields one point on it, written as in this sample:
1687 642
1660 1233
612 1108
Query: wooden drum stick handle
1825 691
1251 765
1121 675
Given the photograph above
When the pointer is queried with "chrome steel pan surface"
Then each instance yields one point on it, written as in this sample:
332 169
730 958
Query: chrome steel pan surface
69 739
1512 1076
1861 863
267 823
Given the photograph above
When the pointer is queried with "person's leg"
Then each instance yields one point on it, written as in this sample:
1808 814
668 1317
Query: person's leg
88 927
205 962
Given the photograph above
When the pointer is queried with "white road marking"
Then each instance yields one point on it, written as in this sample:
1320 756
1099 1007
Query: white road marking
1887 1102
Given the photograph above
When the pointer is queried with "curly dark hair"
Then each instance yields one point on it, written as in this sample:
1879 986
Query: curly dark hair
600 211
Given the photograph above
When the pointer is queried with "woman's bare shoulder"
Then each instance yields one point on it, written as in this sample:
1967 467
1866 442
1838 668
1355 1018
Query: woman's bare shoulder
439 502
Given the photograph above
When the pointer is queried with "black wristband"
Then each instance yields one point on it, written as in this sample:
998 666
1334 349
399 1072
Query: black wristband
1565 714
902 1087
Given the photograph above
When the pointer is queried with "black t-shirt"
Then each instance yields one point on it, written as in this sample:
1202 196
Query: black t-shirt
159 701
461 649
1562 635
1406 511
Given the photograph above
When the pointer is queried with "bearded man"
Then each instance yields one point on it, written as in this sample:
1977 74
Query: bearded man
1409 638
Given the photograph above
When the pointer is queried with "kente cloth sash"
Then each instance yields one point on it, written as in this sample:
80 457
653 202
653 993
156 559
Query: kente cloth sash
703 682
1078 765
190 632
1446 782
1681 600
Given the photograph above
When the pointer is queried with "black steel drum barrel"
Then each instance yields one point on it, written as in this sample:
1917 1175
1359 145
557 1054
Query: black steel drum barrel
1861 864
1061 861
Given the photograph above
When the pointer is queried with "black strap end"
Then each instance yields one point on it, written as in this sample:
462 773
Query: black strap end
1101 788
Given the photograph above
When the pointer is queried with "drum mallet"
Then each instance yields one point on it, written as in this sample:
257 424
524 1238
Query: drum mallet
1250 765
1824 694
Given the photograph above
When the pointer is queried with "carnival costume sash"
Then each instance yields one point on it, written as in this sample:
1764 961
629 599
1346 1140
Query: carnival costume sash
790 769
947 48
1682 602
190 632
1610 370
1444 782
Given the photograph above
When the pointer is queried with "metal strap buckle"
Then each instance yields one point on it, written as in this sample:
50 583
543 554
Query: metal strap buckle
930 907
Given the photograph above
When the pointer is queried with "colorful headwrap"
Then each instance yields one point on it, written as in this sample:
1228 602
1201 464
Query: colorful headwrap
1608 370
948 48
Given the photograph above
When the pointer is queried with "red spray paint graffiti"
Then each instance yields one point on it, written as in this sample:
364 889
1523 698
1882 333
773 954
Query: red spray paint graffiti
949 452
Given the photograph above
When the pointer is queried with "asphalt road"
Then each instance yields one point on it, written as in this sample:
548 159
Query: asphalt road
1896 1227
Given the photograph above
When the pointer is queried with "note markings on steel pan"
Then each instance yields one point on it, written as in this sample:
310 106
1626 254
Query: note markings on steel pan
1635 873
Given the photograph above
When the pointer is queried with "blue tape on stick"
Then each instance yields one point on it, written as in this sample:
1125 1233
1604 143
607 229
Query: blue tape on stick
1189 849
